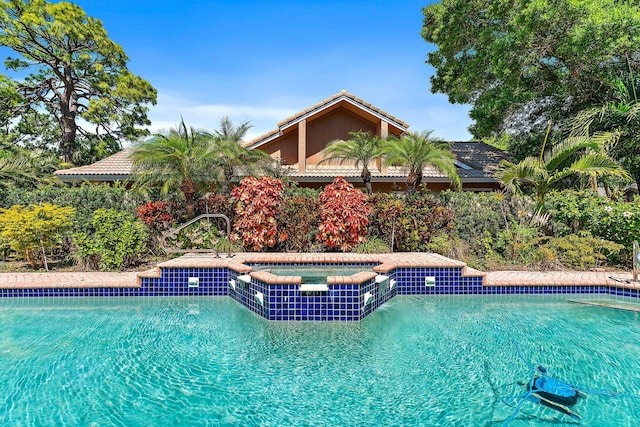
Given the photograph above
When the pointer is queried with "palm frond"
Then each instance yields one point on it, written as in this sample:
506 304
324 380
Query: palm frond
514 175
558 155
415 151
598 165
581 124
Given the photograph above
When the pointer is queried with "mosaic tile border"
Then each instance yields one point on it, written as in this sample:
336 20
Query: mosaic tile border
350 302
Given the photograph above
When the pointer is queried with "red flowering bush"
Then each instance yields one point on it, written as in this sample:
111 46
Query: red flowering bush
159 216
344 212
257 202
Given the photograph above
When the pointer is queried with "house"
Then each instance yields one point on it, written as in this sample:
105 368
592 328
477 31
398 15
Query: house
298 142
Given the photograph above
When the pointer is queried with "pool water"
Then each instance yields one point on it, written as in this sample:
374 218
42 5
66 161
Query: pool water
416 361
314 274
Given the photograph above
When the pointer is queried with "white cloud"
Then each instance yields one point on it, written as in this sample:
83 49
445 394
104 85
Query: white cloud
423 112
171 107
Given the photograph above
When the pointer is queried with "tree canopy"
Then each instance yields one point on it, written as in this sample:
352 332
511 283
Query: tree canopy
72 71
520 63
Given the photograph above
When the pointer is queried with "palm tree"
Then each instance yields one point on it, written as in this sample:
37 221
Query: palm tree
180 159
415 151
574 156
361 149
228 154
229 131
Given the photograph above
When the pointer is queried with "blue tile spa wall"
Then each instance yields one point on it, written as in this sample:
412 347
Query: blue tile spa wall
341 302
376 292
187 282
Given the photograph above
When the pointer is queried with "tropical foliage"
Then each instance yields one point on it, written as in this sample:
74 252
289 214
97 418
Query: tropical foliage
299 219
179 160
408 223
361 149
257 202
415 151
580 156
227 154
116 240
344 216
621 114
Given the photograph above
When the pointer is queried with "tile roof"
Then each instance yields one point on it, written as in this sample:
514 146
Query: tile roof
482 158
113 168
478 155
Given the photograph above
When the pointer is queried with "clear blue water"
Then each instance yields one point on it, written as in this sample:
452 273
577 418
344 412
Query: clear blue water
417 361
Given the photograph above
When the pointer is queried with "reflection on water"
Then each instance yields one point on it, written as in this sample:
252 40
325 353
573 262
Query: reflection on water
428 361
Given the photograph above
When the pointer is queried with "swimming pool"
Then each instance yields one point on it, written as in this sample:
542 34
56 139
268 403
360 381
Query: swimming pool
418 360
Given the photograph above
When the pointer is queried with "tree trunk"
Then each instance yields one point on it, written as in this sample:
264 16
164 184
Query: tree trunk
228 176
413 181
366 178
188 189
68 140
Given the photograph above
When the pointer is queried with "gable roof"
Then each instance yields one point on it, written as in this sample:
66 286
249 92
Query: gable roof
342 96
117 167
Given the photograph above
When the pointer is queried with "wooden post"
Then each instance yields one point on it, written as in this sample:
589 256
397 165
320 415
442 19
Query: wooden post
302 146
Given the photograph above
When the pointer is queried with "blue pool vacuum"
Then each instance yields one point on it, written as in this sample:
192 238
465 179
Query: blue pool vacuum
553 393
547 391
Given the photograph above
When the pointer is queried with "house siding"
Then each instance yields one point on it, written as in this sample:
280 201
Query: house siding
332 126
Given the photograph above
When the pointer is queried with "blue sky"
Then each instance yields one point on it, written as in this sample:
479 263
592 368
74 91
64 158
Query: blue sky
265 60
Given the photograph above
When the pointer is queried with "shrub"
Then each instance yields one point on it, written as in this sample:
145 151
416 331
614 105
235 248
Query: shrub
573 211
383 221
216 204
574 251
299 220
449 246
619 222
344 216
158 216
203 234
422 219
518 243
257 202
373 245
116 240
85 198
411 222
34 229
479 218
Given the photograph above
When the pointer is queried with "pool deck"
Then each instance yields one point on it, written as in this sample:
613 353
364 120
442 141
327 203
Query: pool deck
29 280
